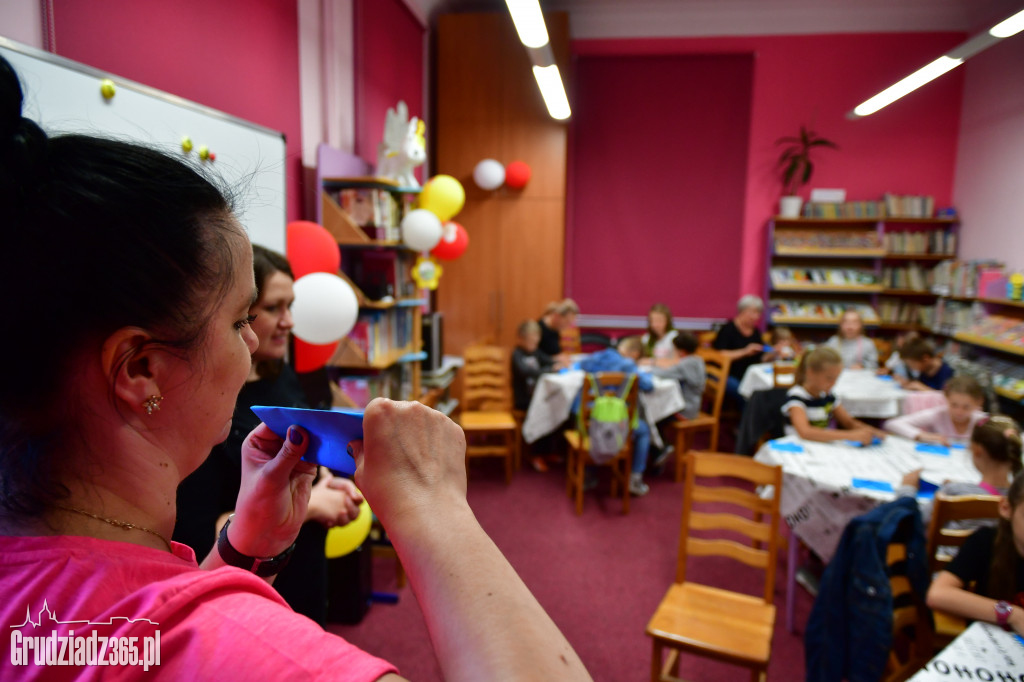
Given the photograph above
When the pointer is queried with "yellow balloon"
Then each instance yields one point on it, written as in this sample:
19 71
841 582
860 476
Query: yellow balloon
343 540
443 196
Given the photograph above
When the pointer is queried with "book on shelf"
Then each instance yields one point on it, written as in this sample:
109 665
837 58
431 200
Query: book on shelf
932 242
829 311
379 212
379 334
998 328
845 209
817 239
381 272
899 311
911 277
394 383
851 277
994 373
967 278
909 206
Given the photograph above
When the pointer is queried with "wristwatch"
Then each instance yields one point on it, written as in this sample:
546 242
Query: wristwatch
261 566
1003 611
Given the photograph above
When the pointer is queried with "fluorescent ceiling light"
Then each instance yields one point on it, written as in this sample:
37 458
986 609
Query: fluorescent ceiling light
529 21
551 89
912 82
1009 27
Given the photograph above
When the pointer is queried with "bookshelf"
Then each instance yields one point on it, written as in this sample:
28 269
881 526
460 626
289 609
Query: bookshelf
882 266
381 356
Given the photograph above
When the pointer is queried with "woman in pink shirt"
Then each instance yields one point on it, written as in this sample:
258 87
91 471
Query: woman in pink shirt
947 423
130 281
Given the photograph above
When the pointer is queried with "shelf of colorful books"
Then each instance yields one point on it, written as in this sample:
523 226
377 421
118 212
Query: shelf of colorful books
394 303
1010 394
813 321
986 342
828 288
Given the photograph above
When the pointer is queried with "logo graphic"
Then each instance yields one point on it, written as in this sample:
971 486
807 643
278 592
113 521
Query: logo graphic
54 649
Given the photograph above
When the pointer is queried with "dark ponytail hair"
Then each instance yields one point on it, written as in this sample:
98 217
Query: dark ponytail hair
1002 577
97 235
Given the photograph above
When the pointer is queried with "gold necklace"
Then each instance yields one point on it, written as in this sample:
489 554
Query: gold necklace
123 525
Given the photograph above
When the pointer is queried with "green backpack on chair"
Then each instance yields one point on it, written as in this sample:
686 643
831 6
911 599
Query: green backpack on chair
610 424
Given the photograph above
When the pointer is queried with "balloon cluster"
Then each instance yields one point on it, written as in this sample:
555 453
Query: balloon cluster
430 227
490 174
326 307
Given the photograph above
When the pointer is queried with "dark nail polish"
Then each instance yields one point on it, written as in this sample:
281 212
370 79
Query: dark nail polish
348 449
295 436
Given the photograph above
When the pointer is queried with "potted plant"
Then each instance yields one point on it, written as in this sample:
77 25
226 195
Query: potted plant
796 168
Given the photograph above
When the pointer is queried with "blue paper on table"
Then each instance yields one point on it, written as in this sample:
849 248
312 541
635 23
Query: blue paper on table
926 489
932 449
330 432
767 349
886 377
868 484
857 444
785 447
959 446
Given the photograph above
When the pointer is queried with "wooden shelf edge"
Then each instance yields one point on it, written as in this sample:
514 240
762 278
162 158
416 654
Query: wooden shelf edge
989 343
831 288
919 256
867 220
1001 301
349 356
830 253
819 321
908 292
339 223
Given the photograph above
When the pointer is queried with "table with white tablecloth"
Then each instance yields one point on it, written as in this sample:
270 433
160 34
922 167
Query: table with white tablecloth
981 652
825 485
862 392
555 394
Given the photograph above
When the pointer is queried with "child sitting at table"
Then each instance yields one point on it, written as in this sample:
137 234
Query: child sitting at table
894 365
811 408
657 341
528 363
985 581
943 424
624 359
995 453
688 369
928 371
857 350
785 347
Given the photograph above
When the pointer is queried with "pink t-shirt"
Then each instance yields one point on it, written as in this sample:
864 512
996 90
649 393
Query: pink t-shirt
62 595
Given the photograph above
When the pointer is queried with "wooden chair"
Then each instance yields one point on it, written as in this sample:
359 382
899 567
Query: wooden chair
709 417
784 374
705 339
911 624
946 511
708 621
579 443
486 416
884 349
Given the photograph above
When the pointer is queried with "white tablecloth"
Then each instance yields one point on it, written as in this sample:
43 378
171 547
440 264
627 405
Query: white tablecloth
862 392
554 395
819 495
985 651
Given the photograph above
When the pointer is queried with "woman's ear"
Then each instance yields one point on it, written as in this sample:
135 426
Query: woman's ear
1004 508
133 365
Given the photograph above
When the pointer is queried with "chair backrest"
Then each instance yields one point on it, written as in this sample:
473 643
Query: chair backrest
760 524
911 623
705 339
570 340
608 383
784 374
884 349
946 511
486 383
717 368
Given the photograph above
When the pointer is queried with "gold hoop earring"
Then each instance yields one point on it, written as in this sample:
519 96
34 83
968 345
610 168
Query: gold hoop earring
152 403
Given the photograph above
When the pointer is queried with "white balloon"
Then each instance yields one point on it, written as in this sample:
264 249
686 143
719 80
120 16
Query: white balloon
325 308
489 174
421 230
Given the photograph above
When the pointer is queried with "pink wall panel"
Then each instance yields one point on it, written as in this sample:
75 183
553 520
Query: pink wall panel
237 56
659 150
388 68
909 147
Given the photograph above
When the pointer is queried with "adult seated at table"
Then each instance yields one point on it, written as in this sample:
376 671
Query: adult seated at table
624 359
992 560
557 316
740 340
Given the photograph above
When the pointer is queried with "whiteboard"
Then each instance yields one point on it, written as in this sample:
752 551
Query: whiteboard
64 96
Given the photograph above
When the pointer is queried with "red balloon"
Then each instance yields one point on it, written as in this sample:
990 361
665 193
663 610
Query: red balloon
454 240
310 357
311 248
517 174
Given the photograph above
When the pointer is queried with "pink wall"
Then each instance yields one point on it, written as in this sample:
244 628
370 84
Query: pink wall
656 190
990 163
388 68
237 56
909 147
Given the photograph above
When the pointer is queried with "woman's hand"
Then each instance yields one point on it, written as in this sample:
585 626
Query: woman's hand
334 500
1016 620
411 461
753 349
274 494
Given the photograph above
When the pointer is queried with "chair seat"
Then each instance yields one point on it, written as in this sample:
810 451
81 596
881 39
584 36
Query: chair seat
719 623
573 439
487 421
702 419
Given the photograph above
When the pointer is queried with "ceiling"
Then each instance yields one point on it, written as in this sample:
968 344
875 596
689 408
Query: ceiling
687 18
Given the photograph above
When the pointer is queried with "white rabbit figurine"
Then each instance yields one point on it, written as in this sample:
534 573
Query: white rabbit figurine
404 147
